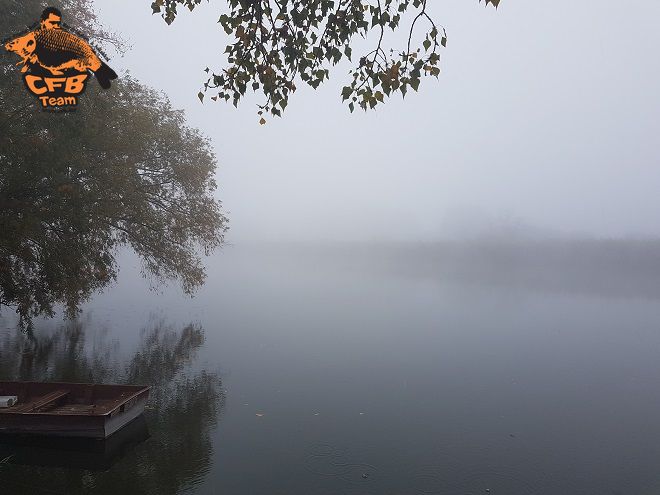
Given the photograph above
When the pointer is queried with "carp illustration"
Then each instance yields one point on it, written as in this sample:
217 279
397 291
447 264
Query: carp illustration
56 50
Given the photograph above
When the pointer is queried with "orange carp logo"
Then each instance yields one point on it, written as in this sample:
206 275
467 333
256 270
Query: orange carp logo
56 63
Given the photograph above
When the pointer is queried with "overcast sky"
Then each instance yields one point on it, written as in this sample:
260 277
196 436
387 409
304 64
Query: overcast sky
545 115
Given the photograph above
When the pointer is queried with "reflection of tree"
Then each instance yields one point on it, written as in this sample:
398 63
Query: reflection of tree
123 170
183 406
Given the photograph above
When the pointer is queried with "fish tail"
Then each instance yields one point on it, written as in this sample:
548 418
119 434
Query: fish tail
104 75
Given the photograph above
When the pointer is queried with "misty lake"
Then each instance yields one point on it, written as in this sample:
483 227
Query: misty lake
397 369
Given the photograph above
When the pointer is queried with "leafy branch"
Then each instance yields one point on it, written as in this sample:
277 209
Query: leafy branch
277 43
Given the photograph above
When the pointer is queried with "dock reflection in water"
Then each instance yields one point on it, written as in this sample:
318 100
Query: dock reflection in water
75 453
184 405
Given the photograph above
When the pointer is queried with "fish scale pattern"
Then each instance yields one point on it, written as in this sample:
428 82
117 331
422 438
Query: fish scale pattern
60 40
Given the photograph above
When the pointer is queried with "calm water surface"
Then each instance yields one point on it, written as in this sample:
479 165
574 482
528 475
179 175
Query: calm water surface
319 372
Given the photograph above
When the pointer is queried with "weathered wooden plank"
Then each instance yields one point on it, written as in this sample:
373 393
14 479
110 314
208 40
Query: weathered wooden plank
42 403
70 409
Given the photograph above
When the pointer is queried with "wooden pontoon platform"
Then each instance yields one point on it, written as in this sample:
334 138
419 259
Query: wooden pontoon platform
70 409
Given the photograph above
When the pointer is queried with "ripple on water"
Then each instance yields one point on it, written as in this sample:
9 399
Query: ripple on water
329 460
492 468
495 480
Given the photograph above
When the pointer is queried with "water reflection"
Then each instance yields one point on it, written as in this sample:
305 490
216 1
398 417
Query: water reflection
183 407
74 453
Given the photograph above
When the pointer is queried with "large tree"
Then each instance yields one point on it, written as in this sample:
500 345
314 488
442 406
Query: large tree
279 42
123 170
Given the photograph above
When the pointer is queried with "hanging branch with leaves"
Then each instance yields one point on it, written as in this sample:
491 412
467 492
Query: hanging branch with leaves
279 42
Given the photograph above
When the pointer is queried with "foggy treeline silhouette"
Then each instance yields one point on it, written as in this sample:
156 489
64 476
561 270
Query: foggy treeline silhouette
590 266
